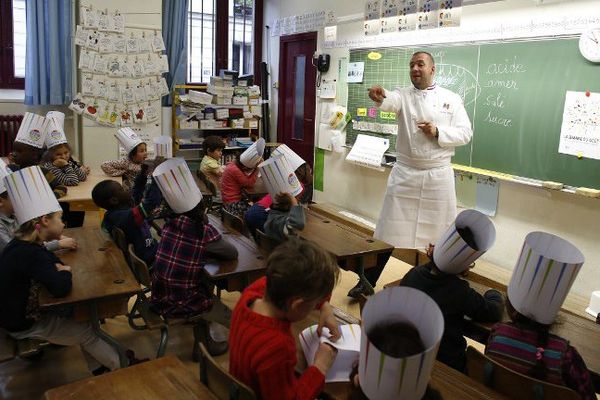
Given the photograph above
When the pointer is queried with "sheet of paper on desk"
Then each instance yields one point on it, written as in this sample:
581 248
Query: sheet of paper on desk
368 151
348 347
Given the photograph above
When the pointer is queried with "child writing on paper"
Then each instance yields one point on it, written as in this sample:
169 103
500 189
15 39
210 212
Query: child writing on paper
130 166
440 279
241 174
285 217
300 277
180 287
26 266
525 344
211 162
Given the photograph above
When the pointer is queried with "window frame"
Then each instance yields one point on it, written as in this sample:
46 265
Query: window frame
8 80
222 39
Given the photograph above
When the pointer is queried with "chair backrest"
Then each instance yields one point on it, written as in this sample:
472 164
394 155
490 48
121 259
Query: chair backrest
119 238
234 222
140 269
220 382
209 184
511 383
263 241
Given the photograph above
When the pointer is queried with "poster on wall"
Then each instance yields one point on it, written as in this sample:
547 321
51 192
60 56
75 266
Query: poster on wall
428 17
580 131
450 12
355 72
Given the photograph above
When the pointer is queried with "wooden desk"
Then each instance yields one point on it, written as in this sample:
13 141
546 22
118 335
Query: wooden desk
163 378
102 281
250 265
80 197
451 384
582 333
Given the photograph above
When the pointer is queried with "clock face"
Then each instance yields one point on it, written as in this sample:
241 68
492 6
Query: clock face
589 45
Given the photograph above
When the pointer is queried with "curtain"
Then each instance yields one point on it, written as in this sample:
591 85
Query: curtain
175 32
48 66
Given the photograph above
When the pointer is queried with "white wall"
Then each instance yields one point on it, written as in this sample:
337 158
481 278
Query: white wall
521 209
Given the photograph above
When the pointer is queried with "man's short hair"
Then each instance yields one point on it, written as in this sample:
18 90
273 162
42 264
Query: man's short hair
299 268
427 54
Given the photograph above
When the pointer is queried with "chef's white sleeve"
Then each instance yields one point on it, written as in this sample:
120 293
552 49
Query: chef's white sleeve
459 132
391 102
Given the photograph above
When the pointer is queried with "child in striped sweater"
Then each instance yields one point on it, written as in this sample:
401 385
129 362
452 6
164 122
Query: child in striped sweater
66 170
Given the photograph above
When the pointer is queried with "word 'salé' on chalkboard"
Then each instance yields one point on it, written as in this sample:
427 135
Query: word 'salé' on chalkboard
514 94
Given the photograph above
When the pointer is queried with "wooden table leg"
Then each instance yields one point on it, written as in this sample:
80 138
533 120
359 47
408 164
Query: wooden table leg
112 342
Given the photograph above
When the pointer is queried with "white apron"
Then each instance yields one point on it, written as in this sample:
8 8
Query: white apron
420 200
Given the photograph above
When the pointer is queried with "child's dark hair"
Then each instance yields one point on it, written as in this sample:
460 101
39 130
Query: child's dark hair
238 162
212 143
304 174
102 193
49 154
198 216
4 195
396 339
282 202
539 370
299 268
133 151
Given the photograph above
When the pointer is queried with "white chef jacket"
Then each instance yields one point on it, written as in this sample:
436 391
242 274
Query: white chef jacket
420 200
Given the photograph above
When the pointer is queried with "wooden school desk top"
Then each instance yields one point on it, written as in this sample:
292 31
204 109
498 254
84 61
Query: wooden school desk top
581 333
163 378
99 270
250 258
339 239
451 384
80 197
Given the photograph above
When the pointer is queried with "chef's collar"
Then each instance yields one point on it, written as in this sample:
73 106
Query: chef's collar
433 86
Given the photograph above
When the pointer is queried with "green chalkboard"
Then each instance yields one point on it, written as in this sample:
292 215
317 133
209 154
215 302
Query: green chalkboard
514 93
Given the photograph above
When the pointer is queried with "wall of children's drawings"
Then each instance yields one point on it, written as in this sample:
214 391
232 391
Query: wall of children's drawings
121 63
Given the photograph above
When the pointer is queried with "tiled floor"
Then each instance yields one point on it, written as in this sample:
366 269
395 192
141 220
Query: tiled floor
20 379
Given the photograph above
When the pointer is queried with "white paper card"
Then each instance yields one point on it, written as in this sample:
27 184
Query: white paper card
580 131
368 151
355 72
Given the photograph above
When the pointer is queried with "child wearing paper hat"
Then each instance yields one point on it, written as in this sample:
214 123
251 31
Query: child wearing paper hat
179 284
471 235
26 265
401 332
300 277
9 224
130 166
57 158
210 165
239 175
541 280
27 149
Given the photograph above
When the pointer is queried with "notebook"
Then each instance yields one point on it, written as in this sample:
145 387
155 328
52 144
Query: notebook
348 347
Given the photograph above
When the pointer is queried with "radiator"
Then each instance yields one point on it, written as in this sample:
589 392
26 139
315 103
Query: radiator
9 126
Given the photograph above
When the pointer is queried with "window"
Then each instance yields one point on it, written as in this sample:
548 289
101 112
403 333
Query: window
201 43
230 44
241 33
12 44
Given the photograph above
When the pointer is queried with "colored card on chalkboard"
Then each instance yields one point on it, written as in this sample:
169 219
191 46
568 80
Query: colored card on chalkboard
361 112
372 112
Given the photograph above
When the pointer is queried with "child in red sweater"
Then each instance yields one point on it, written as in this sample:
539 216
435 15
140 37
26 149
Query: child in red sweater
241 174
300 277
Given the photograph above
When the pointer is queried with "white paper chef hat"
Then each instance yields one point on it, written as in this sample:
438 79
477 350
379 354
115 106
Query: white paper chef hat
279 176
385 377
293 158
177 185
4 171
30 194
253 153
55 133
452 254
128 139
543 276
163 146
33 130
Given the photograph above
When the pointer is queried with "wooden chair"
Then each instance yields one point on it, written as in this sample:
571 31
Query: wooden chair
152 320
211 203
264 242
118 236
234 222
511 383
220 382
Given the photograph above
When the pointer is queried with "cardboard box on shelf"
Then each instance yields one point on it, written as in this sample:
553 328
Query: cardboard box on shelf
251 123
240 100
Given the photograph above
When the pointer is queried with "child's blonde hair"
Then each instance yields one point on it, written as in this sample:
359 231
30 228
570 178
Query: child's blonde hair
29 231
50 153
299 268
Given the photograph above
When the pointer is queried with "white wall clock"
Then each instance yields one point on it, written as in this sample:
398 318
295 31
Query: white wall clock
589 45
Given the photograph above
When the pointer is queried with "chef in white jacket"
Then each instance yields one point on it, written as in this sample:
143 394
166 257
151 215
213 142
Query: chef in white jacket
420 200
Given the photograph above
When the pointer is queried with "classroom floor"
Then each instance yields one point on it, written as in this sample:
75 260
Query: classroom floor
20 379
